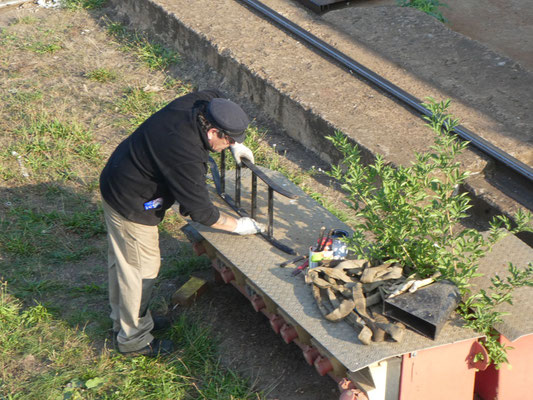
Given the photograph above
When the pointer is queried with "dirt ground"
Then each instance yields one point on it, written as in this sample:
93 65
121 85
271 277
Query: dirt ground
247 342
505 27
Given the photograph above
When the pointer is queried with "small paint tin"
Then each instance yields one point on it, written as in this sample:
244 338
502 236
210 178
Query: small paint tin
315 257
339 247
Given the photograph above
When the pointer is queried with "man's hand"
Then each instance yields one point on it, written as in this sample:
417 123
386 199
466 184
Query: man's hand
248 226
239 150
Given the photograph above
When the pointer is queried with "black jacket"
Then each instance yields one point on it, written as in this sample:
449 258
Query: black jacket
165 158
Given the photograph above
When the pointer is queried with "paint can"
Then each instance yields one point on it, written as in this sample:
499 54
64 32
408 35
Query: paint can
339 247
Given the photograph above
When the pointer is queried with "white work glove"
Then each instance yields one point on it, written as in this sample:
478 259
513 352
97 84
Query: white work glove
248 226
239 150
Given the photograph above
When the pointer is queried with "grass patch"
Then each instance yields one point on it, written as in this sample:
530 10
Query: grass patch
101 75
181 87
138 105
81 317
172 223
52 236
430 7
52 240
25 20
43 358
342 215
39 41
48 148
42 47
22 98
183 266
83 4
92 288
27 288
84 223
151 53
7 38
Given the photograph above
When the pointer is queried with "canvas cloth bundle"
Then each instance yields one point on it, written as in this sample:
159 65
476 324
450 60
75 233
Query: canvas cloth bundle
351 290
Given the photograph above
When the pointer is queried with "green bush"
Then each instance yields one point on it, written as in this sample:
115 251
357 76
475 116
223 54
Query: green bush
412 214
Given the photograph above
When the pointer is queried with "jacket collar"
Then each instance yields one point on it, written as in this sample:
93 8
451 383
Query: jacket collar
198 107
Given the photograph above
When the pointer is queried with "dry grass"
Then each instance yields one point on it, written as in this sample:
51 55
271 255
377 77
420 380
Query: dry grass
71 89
73 84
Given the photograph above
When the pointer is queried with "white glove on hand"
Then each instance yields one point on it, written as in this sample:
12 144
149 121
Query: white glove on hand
248 226
239 150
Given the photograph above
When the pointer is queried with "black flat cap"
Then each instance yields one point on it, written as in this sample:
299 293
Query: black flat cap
229 117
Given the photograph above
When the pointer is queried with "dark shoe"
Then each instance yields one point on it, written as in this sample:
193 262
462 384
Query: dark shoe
115 340
157 347
160 323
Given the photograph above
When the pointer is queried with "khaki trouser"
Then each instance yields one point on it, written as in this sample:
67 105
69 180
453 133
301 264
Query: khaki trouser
133 265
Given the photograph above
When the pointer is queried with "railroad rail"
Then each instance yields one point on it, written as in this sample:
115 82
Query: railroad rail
390 88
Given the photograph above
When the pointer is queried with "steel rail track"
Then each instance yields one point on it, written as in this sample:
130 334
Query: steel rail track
390 88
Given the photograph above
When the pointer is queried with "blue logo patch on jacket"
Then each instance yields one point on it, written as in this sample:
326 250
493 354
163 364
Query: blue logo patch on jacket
153 204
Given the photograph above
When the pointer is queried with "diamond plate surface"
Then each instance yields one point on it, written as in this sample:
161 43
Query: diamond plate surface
519 321
297 223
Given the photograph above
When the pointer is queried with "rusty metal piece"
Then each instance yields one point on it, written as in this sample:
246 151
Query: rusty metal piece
480 351
257 302
276 322
322 305
310 354
370 328
314 278
365 334
323 365
198 248
333 273
354 267
288 333
227 274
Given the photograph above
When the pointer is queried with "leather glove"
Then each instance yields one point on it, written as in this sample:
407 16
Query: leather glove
248 226
239 150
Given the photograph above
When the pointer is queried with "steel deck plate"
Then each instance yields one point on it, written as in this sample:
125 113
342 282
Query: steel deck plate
519 321
297 223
